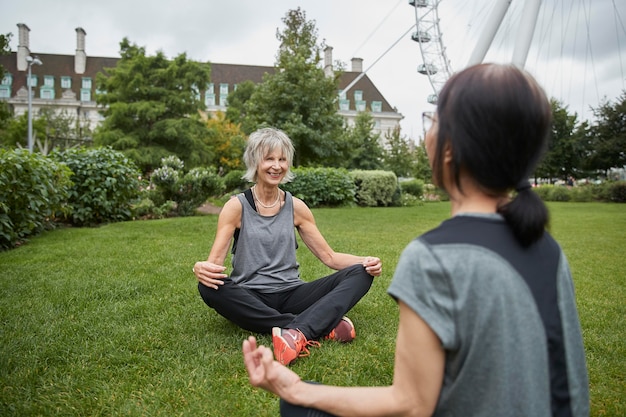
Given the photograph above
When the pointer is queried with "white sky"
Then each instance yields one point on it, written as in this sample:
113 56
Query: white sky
578 52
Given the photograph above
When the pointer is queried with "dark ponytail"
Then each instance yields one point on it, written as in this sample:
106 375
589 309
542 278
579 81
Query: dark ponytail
526 214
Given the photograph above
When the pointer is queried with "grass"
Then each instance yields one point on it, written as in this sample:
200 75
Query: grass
108 321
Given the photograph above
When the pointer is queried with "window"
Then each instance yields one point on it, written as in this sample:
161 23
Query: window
5 91
46 93
223 89
85 94
48 81
209 99
196 92
377 106
210 89
342 95
32 81
360 105
344 104
358 95
66 82
86 84
223 100
7 80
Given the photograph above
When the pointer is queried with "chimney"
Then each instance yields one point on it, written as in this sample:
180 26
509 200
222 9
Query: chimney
357 64
80 59
328 61
23 48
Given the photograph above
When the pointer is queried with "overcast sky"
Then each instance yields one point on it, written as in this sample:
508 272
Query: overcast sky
578 52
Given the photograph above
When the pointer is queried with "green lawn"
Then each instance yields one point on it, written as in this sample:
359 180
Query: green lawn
108 321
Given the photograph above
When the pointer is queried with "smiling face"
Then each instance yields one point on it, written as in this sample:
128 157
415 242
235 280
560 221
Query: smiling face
272 167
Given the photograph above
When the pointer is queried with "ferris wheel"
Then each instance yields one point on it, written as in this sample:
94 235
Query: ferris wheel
435 62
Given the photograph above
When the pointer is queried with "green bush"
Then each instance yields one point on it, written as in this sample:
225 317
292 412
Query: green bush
617 191
106 184
582 194
559 193
413 187
33 190
187 190
322 186
374 188
543 191
147 209
196 186
234 182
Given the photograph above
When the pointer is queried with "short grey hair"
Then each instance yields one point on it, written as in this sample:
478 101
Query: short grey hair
262 142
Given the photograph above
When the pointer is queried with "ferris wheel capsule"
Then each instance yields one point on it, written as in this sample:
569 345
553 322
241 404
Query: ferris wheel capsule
432 98
421 36
427 69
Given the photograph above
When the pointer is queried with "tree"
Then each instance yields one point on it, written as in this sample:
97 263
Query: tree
422 170
298 98
562 158
237 99
608 136
367 153
229 143
398 156
151 107
5 112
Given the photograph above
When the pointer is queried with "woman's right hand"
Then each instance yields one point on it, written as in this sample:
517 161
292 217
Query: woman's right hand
209 274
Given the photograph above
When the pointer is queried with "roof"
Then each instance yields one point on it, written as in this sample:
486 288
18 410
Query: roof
63 66
57 66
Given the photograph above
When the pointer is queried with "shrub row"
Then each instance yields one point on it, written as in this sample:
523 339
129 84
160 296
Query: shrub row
93 186
78 186
606 192
319 187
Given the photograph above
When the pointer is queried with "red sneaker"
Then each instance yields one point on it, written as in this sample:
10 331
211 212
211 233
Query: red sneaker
344 332
290 344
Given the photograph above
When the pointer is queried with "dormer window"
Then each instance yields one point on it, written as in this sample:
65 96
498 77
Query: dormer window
223 94
209 99
48 81
358 95
86 84
32 81
66 82
7 80
344 105
377 106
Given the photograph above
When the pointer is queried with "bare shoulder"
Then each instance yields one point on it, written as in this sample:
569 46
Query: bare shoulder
301 212
231 212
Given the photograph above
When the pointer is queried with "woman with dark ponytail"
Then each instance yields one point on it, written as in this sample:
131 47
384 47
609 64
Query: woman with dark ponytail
488 320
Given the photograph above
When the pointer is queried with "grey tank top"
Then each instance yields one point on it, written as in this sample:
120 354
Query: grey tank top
265 258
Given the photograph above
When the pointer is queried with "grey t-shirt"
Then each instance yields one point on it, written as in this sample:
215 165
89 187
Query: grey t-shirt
505 315
265 259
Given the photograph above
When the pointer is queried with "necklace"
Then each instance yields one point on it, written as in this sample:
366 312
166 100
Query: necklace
263 205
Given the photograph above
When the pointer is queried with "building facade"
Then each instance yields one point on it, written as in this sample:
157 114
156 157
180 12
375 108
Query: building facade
67 84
